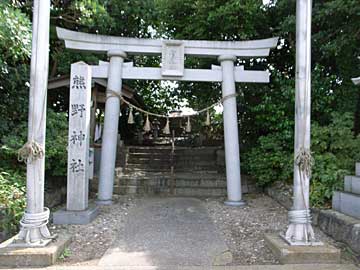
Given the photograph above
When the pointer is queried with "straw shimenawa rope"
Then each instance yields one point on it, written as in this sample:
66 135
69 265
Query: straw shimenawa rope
30 152
111 93
304 161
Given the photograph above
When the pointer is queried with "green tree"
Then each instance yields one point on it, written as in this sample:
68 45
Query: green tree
15 49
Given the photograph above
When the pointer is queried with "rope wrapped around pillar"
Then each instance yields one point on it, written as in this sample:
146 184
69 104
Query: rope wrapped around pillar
31 221
300 216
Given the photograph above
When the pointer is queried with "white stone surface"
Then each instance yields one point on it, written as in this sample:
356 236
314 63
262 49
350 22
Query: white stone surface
352 184
346 203
79 137
301 232
35 172
356 80
172 59
231 135
200 75
91 162
110 133
357 169
102 44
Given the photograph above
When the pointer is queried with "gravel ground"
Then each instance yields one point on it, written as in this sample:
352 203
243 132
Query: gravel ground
90 242
242 228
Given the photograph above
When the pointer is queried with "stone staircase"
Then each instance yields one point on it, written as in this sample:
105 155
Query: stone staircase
188 172
348 201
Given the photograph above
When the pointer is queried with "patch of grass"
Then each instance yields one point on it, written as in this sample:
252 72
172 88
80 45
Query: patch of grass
66 253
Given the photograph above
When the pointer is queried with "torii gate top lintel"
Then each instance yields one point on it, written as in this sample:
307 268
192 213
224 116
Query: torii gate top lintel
173 52
202 48
356 80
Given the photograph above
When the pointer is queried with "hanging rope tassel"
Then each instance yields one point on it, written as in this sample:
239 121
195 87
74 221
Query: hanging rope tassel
131 117
304 161
30 151
207 122
166 129
188 126
147 126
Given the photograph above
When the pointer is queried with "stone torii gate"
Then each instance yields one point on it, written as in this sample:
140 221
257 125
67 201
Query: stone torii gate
173 53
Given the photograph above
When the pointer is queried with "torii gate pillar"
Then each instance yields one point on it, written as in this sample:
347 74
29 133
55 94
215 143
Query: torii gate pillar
111 122
231 133
33 225
300 231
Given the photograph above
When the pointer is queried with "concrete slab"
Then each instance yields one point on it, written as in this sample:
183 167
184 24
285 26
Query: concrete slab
64 216
357 169
352 184
346 203
287 254
168 231
33 257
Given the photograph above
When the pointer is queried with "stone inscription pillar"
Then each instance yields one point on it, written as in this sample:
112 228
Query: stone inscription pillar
111 122
79 138
78 210
231 137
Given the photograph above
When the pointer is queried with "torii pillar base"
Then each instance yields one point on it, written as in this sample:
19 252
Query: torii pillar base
309 254
15 257
82 217
241 203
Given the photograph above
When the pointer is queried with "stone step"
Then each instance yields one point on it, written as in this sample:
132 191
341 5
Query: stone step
141 190
346 203
199 176
169 181
178 158
178 150
148 149
178 153
200 192
352 184
180 191
167 167
148 155
149 162
165 171
357 169
167 162
194 175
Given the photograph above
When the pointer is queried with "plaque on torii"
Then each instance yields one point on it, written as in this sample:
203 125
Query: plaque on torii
172 58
